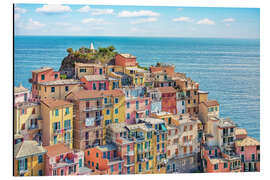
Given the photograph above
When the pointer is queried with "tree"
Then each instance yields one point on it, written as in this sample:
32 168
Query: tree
69 50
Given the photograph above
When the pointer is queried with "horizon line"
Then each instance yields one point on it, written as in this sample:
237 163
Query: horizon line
135 36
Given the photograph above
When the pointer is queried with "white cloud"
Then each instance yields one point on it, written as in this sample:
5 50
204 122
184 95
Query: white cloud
206 21
142 13
101 11
183 19
144 20
20 10
84 9
32 25
93 21
229 20
53 8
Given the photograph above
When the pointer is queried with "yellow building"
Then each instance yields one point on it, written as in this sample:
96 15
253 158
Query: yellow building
83 69
143 148
159 143
29 159
57 122
57 89
114 68
137 74
114 108
27 120
114 83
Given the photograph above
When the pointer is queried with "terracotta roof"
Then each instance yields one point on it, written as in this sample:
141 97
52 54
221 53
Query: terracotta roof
240 131
61 82
57 149
84 94
55 102
210 103
248 141
167 89
42 69
27 148
95 77
127 56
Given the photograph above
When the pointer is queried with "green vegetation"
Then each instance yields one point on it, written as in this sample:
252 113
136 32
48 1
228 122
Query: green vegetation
141 67
63 76
102 55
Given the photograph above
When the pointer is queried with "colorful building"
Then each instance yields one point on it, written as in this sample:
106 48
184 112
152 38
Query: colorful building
28 120
44 74
95 82
137 104
57 122
168 101
156 99
28 158
60 160
57 89
21 94
104 159
248 149
168 69
125 60
83 69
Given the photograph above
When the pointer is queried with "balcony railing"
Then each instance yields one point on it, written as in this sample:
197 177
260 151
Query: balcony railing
96 108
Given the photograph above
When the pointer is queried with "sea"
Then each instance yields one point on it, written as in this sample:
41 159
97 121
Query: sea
229 69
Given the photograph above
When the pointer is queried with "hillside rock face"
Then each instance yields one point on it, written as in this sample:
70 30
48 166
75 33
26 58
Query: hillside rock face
68 64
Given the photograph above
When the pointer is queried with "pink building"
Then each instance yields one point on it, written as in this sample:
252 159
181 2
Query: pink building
21 94
60 160
44 74
249 150
95 82
137 104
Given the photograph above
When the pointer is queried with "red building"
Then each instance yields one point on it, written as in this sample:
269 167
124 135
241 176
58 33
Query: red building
168 102
60 160
169 69
214 161
104 159
95 82
44 74
249 150
125 60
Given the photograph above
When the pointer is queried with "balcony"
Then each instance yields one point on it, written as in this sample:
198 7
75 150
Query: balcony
128 164
96 108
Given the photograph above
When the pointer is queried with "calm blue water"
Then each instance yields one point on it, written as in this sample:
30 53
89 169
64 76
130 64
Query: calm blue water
228 68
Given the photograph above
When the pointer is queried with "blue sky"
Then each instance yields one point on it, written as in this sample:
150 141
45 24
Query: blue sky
96 20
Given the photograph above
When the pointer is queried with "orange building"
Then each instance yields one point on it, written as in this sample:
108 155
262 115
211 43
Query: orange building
125 60
104 159
169 69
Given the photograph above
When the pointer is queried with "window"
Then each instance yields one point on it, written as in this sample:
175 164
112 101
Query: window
147 165
157 138
128 115
183 103
188 101
183 111
40 173
120 167
169 120
42 77
147 112
94 86
116 100
108 112
55 76
242 158
194 101
96 154
216 166
93 164
40 159
62 172
146 102
253 157
52 89
67 110
66 88
111 168
242 148
128 170
56 112
163 137
55 139
116 111
105 100
128 104
225 165
54 172
140 167
137 105
97 166
75 168
116 120
109 155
